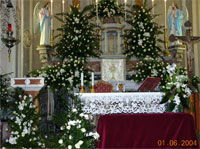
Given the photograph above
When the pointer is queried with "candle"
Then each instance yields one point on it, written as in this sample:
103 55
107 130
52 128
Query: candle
125 8
63 6
165 13
92 78
97 11
81 79
9 27
153 7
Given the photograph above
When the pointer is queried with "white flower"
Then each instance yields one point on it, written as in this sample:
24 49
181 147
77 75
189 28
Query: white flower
12 140
60 141
21 107
77 145
86 117
177 100
68 127
81 115
70 137
147 34
69 147
140 42
83 130
74 110
61 128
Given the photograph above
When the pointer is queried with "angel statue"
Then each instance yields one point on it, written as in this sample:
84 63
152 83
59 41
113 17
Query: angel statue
176 19
42 17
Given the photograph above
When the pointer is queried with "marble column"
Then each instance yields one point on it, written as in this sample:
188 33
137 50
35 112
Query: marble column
106 42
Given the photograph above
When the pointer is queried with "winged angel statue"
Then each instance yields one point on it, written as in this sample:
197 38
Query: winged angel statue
176 18
42 19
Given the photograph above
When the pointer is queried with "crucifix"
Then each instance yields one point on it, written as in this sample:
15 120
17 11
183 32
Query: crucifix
188 40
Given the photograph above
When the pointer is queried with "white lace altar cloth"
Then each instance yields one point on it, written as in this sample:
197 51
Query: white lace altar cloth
108 103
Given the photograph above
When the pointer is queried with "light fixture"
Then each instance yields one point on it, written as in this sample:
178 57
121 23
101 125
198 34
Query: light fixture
9 41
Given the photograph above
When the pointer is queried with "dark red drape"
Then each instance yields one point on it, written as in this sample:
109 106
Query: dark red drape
166 130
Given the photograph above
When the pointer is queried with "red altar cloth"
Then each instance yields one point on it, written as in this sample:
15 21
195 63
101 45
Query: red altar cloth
166 130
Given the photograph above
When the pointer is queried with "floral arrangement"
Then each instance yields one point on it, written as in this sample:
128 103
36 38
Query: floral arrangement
108 8
24 124
63 76
77 38
76 130
5 97
142 38
149 68
177 90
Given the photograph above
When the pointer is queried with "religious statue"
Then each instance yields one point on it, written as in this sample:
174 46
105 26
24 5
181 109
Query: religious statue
42 17
175 17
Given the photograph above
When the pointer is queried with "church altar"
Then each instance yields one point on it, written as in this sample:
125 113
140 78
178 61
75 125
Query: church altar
129 102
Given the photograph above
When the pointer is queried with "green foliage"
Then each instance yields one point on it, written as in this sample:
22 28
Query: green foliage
108 8
78 38
142 38
24 123
75 128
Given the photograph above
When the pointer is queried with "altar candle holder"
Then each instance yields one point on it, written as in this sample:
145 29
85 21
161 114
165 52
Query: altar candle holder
121 87
92 89
82 89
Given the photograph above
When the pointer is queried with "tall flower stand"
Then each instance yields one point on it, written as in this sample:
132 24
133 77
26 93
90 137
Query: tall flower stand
31 86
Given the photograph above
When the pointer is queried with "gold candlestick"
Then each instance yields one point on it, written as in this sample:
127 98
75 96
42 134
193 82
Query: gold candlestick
121 87
166 43
92 89
82 89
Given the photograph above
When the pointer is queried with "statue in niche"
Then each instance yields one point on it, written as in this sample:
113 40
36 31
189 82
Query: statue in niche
176 18
111 44
42 18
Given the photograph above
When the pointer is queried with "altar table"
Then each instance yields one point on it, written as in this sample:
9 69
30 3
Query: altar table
166 130
135 102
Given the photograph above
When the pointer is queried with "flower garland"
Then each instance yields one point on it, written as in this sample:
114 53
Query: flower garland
108 8
176 89
23 124
141 39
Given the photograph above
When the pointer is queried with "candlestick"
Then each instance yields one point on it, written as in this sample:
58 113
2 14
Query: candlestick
165 13
125 8
153 7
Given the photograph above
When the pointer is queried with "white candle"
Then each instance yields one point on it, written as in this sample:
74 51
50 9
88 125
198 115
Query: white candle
81 79
63 5
153 7
92 78
125 8
165 13
63 8
97 11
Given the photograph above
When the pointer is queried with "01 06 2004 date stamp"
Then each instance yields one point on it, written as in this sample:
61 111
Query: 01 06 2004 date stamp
178 143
